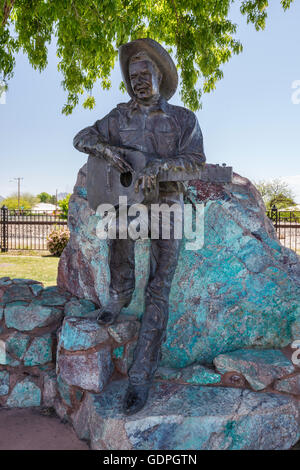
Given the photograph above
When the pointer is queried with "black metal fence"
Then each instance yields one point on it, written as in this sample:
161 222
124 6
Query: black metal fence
27 230
287 226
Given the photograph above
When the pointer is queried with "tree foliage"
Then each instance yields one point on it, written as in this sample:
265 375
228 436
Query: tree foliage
47 198
88 32
27 200
64 206
276 193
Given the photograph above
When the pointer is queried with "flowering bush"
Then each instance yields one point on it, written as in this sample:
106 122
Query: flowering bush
57 241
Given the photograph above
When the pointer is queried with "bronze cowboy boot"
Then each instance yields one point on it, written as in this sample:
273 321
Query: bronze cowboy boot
109 313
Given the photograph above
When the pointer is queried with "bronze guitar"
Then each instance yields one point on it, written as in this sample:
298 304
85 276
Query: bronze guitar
105 183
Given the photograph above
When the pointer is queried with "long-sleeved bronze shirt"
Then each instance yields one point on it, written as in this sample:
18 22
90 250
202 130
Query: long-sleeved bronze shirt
162 130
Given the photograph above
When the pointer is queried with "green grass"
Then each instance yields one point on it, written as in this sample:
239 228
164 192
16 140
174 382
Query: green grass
41 268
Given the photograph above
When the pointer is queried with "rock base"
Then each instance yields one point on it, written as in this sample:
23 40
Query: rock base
186 417
53 353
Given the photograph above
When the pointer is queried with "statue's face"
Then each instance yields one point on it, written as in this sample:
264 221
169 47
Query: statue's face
144 79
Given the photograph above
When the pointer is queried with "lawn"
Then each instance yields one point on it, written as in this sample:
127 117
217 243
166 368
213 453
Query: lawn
41 268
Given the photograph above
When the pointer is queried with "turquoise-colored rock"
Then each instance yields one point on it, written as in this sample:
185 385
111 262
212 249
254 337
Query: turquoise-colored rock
260 368
40 351
189 417
194 374
16 344
296 330
4 382
1 313
289 385
24 394
89 370
29 317
51 297
36 289
64 390
16 292
239 290
118 352
81 334
5 281
123 357
5 357
79 308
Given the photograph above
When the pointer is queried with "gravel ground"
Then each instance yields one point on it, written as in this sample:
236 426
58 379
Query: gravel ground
28 429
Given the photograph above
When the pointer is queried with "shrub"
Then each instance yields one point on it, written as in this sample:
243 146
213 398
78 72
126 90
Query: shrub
57 241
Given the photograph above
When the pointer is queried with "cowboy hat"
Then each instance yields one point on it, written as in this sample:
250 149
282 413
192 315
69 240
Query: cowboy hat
159 56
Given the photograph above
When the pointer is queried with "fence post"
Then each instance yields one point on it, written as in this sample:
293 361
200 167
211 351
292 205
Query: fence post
4 229
274 215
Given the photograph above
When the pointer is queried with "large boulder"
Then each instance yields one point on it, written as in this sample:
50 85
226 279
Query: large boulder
189 417
241 289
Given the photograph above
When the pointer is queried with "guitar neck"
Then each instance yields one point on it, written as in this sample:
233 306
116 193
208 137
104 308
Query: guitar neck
209 173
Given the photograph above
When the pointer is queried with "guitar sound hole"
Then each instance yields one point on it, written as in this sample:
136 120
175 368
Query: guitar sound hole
126 179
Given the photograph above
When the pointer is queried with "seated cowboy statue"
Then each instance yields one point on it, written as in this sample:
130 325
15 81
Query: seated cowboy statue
149 126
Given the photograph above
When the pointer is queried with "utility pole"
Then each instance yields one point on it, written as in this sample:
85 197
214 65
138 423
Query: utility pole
19 189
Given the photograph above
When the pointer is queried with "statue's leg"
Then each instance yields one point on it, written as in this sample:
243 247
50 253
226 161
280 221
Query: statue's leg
122 279
163 262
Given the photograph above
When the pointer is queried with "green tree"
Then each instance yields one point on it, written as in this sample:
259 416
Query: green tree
64 206
27 200
47 198
88 32
12 203
276 192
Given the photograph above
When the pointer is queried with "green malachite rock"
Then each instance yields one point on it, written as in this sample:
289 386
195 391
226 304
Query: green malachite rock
4 382
36 288
296 330
29 317
24 394
240 290
118 352
80 334
260 368
40 351
289 385
194 374
5 281
79 308
16 292
16 344
189 417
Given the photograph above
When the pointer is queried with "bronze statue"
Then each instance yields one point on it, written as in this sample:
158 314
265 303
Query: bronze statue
164 137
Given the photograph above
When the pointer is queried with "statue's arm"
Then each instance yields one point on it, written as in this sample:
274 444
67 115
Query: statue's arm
94 140
87 139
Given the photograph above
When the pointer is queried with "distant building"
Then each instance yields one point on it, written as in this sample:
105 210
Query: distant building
291 208
43 207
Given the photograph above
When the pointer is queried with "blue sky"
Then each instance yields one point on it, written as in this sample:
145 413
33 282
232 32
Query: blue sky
249 121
